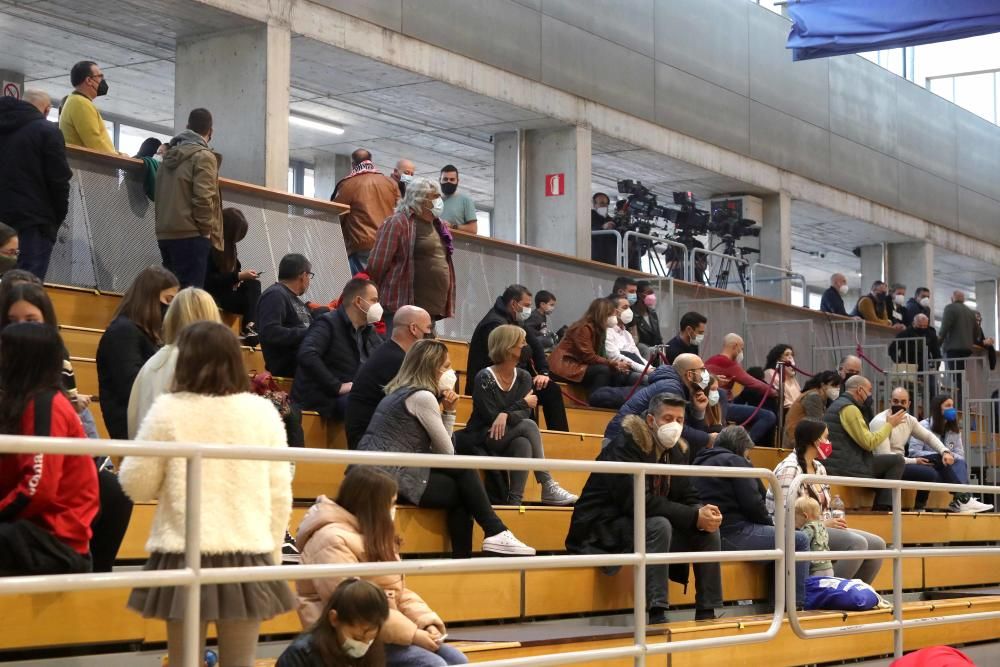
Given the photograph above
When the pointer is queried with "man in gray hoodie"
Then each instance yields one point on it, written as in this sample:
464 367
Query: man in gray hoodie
188 202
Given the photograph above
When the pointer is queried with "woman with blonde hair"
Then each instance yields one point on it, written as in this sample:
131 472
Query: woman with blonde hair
157 374
409 420
502 405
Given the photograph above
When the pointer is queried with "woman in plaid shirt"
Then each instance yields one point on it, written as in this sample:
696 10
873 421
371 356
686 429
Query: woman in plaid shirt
411 260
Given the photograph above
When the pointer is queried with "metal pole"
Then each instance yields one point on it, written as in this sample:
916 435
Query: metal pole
192 560
639 570
897 570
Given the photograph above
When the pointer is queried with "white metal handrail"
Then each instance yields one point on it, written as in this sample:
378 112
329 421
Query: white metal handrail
618 240
192 575
784 275
681 252
740 264
896 552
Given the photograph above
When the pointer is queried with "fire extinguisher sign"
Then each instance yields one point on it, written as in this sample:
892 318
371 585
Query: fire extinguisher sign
555 185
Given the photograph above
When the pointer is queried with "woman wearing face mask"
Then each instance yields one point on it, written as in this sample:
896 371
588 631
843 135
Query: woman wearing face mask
359 527
647 322
620 344
746 523
582 356
783 353
411 261
812 445
346 632
9 249
818 392
717 412
409 419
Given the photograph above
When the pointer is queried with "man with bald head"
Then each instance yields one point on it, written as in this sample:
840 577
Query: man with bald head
372 198
403 174
958 330
409 325
833 298
854 444
34 177
728 367
909 353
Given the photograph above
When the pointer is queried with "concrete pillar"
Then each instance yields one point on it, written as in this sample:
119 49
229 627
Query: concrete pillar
508 186
912 264
873 267
327 170
560 222
243 78
775 248
986 303
11 77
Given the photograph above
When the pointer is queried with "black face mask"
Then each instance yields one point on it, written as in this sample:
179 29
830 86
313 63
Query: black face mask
449 188
102 88
7 262
897 408
163 310
430 335
402 188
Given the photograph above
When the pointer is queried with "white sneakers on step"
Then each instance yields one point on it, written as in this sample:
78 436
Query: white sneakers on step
507 545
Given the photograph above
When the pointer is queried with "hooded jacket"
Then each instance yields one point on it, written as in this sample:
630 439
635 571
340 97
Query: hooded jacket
741 500
188 201
34 176
330 534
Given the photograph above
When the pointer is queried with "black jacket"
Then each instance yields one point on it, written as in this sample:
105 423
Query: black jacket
912 351
301 653
282 322
219 283
913 308
649 331
538 324
832 302
479 356
34 173
328 357
121 353
739 500
602 246
367 391
676 347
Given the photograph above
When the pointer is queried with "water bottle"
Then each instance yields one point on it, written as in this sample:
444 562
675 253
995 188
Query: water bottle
837 508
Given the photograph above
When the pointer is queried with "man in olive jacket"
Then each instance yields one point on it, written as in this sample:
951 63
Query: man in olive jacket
188 202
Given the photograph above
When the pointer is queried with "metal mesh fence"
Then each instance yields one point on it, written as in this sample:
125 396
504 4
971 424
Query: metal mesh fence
761 336
725 315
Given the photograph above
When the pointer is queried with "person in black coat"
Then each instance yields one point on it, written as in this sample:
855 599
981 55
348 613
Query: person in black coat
833 298
646 322
283 318
911 352
603 247
335 346
514 307
234 290
409 325
34 177
919 303
675 518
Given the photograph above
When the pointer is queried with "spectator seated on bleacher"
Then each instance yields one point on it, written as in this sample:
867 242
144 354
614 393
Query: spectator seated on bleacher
156 376
47 501
346 632
812 445
514 307
689 339
746 523
909 354
335 346
854 444
249 502
646 325
682 378
283 317
408 326
538 322
676 520
717 410
359 527
818 393
409 420
943 424
787 385
234 289
9 249
620 345
502 405
581 356
728 366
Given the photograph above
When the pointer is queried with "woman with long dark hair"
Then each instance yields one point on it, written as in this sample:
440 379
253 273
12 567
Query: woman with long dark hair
784 353
818 392
47 501
359 527
581 356
235 289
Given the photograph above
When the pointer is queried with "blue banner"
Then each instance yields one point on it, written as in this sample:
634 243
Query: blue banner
823 28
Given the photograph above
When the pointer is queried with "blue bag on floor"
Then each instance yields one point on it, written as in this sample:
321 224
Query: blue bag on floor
841 594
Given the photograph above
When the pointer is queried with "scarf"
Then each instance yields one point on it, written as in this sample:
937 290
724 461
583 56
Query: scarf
446 238
363 167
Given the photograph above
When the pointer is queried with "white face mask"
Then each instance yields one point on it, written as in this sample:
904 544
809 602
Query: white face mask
833 393
405 178
627 316
669 434
612 322
602 211
926 302
437 208
713 397
705 379
899 299
739 357
698 338
374 312
525 313
843 289
355 648
447 380
392 513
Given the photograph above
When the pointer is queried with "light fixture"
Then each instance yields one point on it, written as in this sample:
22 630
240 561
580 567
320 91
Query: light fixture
313 124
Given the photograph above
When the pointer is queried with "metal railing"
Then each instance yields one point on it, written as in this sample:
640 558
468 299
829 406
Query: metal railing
192 576
720 272
663 257
618 241
783 276
896 552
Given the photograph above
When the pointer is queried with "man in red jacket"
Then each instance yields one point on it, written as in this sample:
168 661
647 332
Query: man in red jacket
47 501
728 367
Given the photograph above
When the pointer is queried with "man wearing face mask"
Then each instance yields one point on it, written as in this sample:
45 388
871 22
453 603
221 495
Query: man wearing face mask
335 346
854 444
403 174
833 298
675 518
409 325
602 246
919 303
79 119
620 345
728 367
908 353
690 337
514 307
896 306
459 210
873 307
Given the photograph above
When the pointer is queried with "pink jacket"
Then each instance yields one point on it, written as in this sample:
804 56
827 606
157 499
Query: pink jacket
330 534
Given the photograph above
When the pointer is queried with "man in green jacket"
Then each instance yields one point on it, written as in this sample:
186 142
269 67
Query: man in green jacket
854 443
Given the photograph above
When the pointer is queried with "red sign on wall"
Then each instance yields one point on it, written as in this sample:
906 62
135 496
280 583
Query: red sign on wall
555 185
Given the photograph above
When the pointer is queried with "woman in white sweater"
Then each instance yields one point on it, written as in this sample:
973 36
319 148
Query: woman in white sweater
245 504
157 374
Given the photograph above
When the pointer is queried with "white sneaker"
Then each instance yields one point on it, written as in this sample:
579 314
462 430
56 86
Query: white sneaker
553 494
505 543
975 506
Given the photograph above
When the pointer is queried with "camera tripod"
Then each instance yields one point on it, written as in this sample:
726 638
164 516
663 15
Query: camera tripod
733 257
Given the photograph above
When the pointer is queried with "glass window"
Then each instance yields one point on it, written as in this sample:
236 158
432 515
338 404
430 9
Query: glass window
291 179
976 93
944 86
309 183
130 138
815 298
484 220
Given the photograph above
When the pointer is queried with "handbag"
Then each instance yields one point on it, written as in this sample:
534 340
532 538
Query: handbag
263 384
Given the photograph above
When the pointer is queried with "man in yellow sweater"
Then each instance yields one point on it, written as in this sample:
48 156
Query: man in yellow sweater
79 119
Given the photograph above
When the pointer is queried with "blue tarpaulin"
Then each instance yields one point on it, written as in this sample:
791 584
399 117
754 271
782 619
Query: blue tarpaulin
823 28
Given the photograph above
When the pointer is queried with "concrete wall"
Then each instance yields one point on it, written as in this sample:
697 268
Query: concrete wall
717 70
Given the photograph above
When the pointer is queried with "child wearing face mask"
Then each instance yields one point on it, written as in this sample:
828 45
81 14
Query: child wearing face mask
345 632
360 527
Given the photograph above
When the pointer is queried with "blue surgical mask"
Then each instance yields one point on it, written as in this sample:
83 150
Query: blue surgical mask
950 414
632 298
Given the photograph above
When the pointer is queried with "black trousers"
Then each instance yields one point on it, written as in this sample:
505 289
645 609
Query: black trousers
551 401
111 522
462 494
241 301
28 549
886 466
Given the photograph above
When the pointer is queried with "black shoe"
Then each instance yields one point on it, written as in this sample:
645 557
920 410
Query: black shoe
657 616
289 552
706 615
881 508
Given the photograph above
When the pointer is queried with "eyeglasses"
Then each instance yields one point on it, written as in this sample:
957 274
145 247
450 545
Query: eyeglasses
310 274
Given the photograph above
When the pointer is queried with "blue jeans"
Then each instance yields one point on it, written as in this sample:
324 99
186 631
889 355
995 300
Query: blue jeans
761 427
752 536
957 473
358 261
187 259
414 656
89 425
35 251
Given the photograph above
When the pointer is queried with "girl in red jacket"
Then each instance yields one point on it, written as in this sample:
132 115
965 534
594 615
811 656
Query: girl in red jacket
47 501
